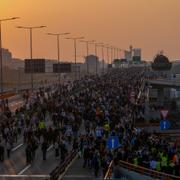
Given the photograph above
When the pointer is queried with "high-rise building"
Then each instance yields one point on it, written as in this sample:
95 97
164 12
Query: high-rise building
137 52
128 55
90 62
6 56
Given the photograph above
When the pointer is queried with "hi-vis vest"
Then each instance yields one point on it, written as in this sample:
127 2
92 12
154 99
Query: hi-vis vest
158 166
106 127
135 160
164 161
41 125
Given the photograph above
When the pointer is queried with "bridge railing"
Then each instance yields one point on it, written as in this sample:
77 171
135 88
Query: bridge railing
109 171
6 95
61 168
140 170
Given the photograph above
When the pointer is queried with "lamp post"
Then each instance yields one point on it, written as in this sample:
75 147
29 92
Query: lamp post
95 46
107 48
114 52
117 53
58 48
87 48
30 28
102 50
1 54
112 57
75 49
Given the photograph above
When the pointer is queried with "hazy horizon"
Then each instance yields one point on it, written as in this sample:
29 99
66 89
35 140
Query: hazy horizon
150 25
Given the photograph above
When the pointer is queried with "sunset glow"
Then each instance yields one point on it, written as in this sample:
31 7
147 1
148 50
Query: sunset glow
151 25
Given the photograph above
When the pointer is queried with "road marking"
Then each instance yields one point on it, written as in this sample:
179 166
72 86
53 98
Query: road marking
50 147
26 168
15 148
77 176
21 176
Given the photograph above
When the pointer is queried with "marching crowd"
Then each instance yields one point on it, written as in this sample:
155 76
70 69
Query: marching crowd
81 116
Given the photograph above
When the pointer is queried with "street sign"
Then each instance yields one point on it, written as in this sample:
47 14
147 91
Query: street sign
62 68
34 66
164 113
165 124
109 66
113 142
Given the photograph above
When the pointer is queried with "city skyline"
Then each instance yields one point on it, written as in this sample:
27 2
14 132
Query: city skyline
152 26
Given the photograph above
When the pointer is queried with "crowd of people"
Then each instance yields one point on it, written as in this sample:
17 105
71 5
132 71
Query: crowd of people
81 115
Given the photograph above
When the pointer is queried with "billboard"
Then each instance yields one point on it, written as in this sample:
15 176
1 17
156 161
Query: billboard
34 66
62 68
109 66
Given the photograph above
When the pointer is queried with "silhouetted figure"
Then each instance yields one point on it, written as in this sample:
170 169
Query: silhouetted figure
44 149
1 153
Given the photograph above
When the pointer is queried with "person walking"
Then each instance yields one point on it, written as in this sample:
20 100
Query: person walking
96 164
8 147
44 149
56 147
1 153
28 154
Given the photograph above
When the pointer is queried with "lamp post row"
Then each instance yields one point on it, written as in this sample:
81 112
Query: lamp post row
58 48
31 28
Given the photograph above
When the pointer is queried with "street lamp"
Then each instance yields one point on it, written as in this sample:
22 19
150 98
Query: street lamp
75 49
112 54
102 50
30 28
115 53
58 46
87 47
1 55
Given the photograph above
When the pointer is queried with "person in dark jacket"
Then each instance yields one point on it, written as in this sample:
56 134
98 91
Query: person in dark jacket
96 164
44 149
28 154
86 156
1 153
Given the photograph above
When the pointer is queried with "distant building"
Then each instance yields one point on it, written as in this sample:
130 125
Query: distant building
90 64
7 55
9 61
133 55
128 56
137 52
136 55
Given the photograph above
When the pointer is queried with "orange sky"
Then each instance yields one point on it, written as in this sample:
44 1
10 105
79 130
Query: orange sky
152 25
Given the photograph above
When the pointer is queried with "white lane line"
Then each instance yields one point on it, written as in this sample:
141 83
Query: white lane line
25 176
26 168
77 176
50 147
15 148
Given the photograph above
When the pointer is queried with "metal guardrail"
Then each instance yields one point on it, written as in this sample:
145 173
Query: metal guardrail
141 170
20 177
7 95
60 169
148 172
109 171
